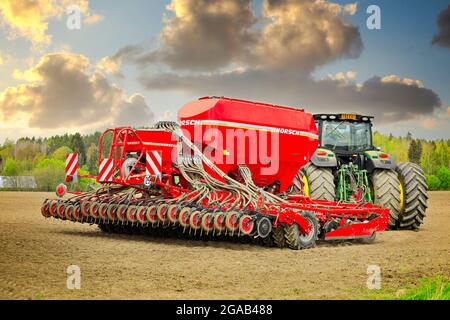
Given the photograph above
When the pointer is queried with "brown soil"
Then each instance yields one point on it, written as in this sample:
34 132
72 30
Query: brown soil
35 253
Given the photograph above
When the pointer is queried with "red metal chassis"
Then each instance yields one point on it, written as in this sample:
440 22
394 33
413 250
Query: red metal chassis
355 220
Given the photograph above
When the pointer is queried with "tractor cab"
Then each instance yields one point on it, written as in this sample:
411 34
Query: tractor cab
347 136
345 133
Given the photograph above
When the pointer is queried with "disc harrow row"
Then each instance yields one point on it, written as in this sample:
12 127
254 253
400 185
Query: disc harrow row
191 219
154 216
131 211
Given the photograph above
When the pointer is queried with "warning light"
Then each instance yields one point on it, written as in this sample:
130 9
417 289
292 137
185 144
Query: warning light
348 116
61 190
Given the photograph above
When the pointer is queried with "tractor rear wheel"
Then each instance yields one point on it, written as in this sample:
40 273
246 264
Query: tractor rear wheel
386 193
317 182
278 236
295 240
413 201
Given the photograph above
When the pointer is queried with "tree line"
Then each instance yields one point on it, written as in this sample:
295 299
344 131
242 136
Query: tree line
44 158
432 155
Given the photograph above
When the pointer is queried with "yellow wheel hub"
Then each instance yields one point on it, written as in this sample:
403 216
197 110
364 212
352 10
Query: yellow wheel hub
402 197
305 186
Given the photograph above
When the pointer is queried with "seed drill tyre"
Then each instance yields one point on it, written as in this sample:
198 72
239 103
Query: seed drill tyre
278 237
295 240
414 202
319 182
107 228
386 193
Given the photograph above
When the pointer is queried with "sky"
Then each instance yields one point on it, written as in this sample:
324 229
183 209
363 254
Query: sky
80 65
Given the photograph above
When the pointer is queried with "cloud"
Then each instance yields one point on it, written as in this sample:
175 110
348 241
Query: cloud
205 35
29 19
305 34
389 101
167 116
6 59
271 57
112 64
109 65
342 77
93 19
443 21
127 52
439 119
351 8
429 123
133 111
406 81
61 91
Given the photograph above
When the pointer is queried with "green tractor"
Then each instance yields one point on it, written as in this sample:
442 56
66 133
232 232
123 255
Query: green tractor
347 167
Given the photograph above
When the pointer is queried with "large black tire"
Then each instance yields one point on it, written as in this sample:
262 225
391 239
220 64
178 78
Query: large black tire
414 200
295 240
386 193
278 237
106 227
319 182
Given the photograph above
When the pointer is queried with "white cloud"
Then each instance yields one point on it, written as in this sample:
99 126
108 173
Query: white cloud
93 19
351 8
29 19
61 91
405 81
206 35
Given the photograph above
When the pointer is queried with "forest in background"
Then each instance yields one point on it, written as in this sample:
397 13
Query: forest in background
44 158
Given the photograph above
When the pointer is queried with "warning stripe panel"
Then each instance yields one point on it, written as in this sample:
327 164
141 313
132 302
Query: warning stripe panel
153 162
106 170
71 164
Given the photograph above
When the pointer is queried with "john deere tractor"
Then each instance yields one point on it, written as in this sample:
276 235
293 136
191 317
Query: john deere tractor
348 167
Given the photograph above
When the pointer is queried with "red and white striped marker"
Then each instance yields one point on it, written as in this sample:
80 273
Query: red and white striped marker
106 170
153 160
72 167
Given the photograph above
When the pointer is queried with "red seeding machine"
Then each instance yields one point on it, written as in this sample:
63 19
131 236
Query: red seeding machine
224 170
